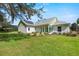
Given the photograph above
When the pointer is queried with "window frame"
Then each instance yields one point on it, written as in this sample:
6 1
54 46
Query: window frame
28 28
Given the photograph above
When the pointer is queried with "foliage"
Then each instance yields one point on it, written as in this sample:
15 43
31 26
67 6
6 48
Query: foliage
20 10
3 22
1 17
73 33
77 20
7 36
73 27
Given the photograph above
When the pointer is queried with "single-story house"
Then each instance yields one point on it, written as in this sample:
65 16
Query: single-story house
51 25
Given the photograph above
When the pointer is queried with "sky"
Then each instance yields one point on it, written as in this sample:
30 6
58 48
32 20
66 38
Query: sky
68 12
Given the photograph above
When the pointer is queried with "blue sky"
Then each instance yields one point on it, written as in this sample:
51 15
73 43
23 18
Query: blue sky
67 12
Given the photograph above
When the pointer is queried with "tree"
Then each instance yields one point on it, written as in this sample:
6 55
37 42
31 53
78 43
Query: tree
77 20
21 10
73 27
3 22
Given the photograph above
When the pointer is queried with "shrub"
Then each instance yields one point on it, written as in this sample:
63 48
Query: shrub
42 33
46 33
64 33
38 34
54 33
77 32
73 27
68 34
73 33
32 34
19 32
59 33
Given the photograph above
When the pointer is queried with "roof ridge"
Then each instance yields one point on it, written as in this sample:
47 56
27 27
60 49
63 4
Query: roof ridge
52 18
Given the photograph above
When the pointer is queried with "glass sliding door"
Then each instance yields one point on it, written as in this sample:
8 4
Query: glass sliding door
46 29
50 28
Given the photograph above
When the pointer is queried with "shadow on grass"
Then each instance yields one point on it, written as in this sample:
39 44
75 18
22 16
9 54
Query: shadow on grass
13 36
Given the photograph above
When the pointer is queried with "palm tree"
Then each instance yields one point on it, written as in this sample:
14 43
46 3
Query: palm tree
20 10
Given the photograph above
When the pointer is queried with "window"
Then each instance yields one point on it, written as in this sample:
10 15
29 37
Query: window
28 29
59 29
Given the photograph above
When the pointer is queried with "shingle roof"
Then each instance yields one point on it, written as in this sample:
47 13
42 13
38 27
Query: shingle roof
30 22
59 22
26 22
45 21
53 21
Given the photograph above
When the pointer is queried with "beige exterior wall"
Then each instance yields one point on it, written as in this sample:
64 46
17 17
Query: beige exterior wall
38 29
44 28
64 29
24 29
32 29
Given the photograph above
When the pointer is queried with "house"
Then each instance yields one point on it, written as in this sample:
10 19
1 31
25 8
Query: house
51 25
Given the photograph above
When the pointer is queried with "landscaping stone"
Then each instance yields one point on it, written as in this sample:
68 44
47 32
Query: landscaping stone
42 33
73 33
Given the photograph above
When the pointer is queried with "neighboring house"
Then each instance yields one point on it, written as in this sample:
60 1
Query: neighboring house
51 25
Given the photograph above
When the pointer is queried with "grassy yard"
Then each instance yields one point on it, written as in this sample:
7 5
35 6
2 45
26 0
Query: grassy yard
54 45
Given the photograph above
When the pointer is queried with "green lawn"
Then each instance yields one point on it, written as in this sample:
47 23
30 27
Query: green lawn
50 45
